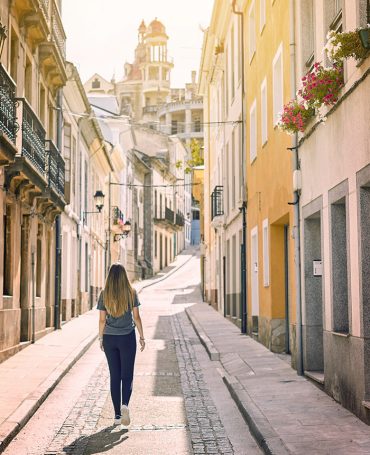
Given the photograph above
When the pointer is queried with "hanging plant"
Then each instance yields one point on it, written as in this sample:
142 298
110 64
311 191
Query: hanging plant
321 86
341 46
295 117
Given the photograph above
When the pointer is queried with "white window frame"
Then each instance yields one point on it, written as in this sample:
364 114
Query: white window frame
266 252
262 15
278 88
264 124
252 30
253 132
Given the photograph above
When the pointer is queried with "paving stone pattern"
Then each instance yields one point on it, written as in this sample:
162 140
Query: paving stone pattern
73 436
207 433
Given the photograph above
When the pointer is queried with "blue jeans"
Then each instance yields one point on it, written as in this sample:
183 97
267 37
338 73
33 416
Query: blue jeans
120 351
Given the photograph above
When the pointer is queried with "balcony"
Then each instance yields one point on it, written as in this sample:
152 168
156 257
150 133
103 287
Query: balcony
179 220
217 208
167 219
8 118
150 109
181 106
53 49
38 169
55 169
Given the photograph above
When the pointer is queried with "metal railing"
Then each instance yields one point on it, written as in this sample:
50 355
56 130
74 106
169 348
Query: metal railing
55 168
44 5
217 207
169 215
58 34
150 109
8 115
179 220
33 137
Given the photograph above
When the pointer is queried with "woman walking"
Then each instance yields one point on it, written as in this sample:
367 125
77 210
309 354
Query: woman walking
119 314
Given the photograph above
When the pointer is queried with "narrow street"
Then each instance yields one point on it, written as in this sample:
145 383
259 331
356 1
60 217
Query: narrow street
180 404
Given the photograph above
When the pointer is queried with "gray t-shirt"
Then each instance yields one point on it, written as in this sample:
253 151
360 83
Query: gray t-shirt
122 325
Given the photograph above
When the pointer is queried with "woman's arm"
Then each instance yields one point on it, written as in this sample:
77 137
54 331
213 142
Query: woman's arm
102 319
139 326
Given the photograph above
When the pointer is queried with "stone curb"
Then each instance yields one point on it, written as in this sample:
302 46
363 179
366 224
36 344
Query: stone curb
16 421
259 426
206 342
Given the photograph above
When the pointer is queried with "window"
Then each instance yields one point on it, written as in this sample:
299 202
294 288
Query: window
160 206
155 244
241 160
252 31
95 83
196 214
232 58
86 267
253 132
155 204
333 15
277 84
7 230
28 81
42 102
263 112
262 14
227 81
86 181
233 164
307 33
39 261
227 180
266 253
174 127
339 269
67 148
14 50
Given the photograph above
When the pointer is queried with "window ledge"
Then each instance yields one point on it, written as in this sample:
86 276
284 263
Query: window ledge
341 334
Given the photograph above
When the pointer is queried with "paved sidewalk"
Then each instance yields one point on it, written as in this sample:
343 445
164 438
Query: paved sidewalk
28 377
286 413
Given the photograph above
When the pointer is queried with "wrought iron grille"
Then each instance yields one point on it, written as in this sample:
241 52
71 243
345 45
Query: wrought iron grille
55 168
33 137
59 36
45 7
179 219
8 122
169 215
217 206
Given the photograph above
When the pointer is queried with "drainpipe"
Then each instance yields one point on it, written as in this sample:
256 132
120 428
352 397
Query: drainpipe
243 208
58 246
297 229
33 295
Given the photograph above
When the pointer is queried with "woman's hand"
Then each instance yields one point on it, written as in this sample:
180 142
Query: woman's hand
142 344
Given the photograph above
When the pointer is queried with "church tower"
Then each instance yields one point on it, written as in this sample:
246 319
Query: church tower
156 68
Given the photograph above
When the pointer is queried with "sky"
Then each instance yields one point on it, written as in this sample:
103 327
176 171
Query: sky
102 34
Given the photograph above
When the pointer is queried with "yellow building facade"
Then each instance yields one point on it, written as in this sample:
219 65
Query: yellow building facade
251 166
270 247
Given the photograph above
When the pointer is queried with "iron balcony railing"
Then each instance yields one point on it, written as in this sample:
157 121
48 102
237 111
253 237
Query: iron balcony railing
118 218
179 220
217 206
33 137
169 215
8 114
44 4
58 34
55 168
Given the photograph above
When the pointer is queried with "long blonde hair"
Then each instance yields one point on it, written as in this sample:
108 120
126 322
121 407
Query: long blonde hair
118 292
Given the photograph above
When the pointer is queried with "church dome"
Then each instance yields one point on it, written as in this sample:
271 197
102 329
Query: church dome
156 28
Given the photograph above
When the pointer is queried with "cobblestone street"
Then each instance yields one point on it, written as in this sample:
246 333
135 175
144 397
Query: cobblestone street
179 404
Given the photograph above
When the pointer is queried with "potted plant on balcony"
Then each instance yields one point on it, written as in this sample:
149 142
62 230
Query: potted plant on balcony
295 117
341 46
321 86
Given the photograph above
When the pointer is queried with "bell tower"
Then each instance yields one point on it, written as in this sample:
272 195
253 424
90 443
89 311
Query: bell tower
156 68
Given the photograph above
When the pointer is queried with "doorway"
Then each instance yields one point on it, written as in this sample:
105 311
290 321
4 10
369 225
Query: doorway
254 279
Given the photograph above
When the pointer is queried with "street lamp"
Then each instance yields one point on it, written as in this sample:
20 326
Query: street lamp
3 36
99 203
126 230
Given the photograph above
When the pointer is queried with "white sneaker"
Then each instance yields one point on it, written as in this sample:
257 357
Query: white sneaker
125 415
117 420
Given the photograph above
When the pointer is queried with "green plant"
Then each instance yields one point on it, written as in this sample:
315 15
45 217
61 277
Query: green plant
341 46
196 156
178 164
295 117
321 86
